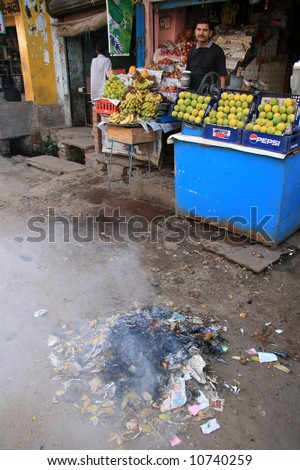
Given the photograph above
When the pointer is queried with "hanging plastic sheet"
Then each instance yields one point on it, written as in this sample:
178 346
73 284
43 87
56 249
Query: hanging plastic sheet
82 25
119 19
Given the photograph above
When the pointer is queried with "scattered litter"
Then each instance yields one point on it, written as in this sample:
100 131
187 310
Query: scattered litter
251 351
211 426
143 371
230 296
266 332
195 366
282 354
55 361
175 441
278 331
52 340
33 418
244 360
218 405
233 388
94 420
242 314
281 367
255 358
132 425
194 409
242 331
202 400
177 317
266 357
257 255
177 396
40 313
221 359
165 416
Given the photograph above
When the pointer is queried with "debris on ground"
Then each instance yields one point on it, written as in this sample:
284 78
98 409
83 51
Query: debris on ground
40 313
149 372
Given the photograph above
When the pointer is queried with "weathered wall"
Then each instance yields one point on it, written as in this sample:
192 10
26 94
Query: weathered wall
36 51
16 119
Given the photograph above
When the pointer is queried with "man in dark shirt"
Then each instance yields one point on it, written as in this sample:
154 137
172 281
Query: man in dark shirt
206 56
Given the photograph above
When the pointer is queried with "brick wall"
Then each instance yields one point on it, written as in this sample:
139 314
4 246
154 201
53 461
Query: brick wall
97 134
270 73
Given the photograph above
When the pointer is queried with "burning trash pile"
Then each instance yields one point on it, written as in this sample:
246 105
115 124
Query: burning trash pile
147 371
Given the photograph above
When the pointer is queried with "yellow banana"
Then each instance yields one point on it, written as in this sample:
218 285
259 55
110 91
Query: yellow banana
126 120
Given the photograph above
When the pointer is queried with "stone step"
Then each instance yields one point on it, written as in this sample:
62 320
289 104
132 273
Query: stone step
53 164
83 143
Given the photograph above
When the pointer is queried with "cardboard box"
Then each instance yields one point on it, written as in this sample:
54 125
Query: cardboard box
129 135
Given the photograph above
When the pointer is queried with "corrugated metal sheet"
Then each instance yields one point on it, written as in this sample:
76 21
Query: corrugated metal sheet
58 8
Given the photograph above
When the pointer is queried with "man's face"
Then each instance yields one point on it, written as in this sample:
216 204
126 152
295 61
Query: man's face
202 33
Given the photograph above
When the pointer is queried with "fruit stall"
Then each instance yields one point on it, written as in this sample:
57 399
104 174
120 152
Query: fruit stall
134 101
237 162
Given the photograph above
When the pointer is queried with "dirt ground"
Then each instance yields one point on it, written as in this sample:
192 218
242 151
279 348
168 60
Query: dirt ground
78 281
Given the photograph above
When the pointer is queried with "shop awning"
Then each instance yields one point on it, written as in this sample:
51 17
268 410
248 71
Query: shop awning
82 25
59 8
167 4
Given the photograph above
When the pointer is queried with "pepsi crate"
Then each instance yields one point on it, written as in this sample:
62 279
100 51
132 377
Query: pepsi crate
275 143
190 129
266 97
222 133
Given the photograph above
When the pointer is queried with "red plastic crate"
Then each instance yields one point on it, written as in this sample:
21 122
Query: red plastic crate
106 107
119 71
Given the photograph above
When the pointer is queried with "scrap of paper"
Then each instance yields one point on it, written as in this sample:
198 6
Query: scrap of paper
175 441
267 357
210 426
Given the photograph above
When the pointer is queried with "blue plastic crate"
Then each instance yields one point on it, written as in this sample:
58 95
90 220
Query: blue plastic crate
222 133
207 110
265 95
275 143
253 105
189 129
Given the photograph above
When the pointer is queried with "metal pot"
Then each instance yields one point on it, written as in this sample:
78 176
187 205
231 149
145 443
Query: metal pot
185 80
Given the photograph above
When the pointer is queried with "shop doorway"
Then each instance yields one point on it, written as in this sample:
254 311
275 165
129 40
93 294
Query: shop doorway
80 52
10 62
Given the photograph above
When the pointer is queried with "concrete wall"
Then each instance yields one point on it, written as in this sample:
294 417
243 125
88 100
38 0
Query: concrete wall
36 51
44 68
16 119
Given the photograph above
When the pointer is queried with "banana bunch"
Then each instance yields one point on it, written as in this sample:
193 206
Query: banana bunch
132 102
141 83
122 118
139 102
153 97
149 109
